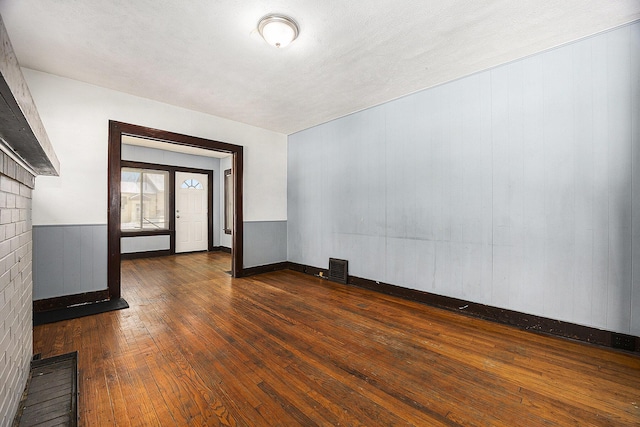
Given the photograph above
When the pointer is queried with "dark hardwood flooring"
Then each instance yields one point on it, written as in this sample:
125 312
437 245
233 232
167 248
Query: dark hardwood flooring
199 348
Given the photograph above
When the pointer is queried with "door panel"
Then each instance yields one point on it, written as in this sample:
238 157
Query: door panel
191 212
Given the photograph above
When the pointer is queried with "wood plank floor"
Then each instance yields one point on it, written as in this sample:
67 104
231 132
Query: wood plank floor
199 348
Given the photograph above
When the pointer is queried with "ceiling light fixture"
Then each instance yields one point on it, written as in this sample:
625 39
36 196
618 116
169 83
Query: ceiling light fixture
278 30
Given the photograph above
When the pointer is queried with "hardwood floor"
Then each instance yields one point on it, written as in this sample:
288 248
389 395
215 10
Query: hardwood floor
199 348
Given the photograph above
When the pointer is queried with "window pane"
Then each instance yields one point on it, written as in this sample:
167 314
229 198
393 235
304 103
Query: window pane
143 200
192 184
154 202
130 199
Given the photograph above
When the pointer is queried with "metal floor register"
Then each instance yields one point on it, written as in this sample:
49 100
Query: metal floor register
51 395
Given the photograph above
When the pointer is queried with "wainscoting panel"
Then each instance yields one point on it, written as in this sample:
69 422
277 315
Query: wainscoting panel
265 242
69 259
144 244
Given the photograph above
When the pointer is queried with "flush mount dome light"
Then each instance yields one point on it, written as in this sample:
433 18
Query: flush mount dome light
278 30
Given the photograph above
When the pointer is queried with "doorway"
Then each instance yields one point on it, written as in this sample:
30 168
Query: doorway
191 212
116 131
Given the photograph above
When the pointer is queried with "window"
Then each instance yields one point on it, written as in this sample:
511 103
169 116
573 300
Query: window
144 203
228 201
192 184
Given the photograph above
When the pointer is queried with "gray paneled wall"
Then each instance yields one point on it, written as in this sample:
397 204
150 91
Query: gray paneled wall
129 245
265 242
514 187
69 259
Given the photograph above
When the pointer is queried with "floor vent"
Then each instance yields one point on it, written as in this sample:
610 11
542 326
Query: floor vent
623 342
51 393
338 270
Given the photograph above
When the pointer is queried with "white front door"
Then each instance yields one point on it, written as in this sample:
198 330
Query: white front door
191 212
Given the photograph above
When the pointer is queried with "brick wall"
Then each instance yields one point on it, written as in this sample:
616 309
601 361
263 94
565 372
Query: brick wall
16 344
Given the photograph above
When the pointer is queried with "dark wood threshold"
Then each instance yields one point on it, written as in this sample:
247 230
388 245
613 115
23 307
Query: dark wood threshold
147 254
520 320
192 252
69 300
251 271
224 249
81 310
51 393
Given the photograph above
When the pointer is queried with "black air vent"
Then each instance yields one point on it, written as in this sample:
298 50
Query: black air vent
338 270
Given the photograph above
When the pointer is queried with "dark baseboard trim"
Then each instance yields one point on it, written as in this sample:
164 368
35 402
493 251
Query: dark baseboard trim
306 269
224 249
69 300
520 320
252 271
148 254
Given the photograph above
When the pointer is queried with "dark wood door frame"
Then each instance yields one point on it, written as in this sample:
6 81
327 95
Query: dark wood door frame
116 130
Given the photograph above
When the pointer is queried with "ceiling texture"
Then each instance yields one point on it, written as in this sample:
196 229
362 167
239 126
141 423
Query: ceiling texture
206 55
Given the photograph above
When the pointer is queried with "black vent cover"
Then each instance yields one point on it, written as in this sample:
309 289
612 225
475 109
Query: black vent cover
338 270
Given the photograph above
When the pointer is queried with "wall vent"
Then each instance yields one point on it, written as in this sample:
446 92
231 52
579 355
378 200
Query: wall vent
338 270
623 342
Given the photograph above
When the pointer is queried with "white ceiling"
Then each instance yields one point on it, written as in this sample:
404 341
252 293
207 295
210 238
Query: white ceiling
205 55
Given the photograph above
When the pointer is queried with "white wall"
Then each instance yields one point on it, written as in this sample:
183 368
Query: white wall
516 187
137 153
76 117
